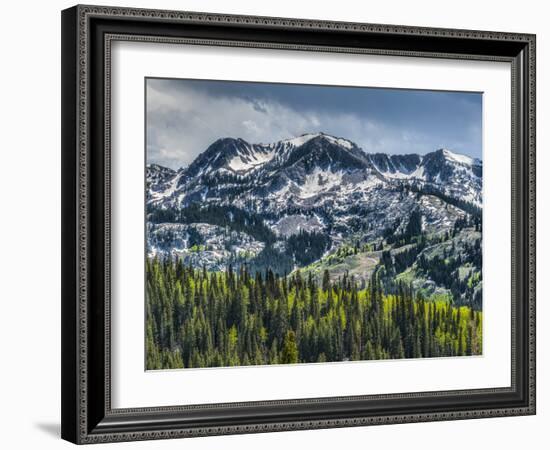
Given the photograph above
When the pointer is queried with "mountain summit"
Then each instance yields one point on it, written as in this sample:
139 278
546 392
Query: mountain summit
311 165
240 157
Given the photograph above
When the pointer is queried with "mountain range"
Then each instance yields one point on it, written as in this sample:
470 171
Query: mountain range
301 202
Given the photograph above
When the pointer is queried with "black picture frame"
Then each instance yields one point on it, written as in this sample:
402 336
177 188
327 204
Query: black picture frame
87 416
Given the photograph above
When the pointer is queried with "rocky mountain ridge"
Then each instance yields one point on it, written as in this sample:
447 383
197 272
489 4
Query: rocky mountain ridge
298 200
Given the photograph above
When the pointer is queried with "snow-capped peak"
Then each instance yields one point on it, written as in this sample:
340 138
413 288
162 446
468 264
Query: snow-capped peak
300 140
304 138
312 164
247 157
458 158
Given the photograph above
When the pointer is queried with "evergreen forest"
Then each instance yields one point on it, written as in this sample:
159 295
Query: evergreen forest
199 318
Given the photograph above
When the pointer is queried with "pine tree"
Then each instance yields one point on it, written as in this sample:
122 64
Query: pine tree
289 354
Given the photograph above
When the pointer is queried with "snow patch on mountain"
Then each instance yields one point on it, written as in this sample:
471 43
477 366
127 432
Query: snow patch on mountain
341 142
319 181
169 189
456 157
214 245
293 224
396 175
240 163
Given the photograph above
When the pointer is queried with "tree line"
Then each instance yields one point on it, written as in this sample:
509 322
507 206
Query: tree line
196 318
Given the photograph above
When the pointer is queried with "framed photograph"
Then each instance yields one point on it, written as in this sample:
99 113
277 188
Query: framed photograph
279 224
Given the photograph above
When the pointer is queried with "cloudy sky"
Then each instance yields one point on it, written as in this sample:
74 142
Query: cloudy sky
185 116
